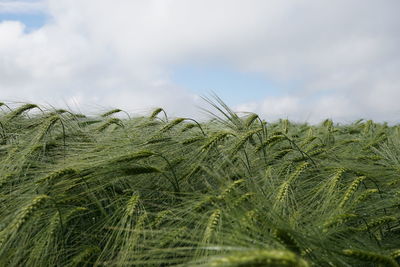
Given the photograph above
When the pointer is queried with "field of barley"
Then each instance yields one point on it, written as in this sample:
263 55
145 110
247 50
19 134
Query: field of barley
236 190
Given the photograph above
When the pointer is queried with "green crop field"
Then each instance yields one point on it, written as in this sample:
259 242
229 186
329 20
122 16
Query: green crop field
114 190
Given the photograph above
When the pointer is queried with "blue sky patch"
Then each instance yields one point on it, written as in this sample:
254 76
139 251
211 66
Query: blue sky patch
31 21
232 86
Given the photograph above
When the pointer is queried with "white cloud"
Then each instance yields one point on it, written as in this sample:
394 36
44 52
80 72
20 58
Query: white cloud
342 56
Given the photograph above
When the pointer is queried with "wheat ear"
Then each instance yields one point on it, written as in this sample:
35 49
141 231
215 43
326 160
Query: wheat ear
111 112
370 257
57 174
172 124
240 144
230 188
280 258
350 191
212 224
283 190
214 139
105 125
20 110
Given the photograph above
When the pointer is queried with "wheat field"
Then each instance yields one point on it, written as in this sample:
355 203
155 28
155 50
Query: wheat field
236 190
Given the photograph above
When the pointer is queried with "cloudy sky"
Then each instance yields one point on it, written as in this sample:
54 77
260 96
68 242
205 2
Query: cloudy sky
304 60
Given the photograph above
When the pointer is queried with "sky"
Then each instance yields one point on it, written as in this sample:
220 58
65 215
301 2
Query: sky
305 60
